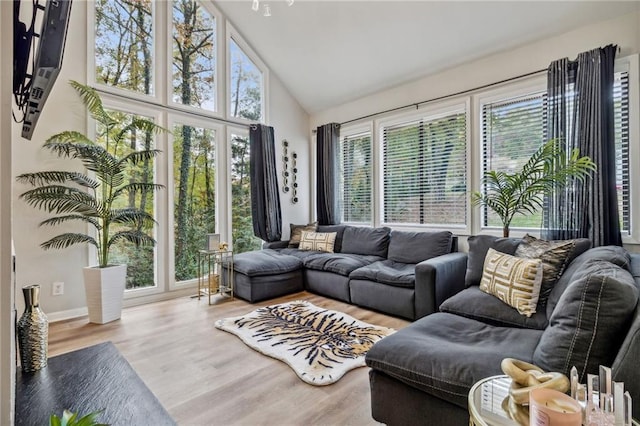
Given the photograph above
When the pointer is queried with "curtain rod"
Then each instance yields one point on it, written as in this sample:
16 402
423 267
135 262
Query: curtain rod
439 98
170 108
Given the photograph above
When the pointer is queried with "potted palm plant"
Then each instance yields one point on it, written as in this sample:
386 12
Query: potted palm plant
97 198
549 168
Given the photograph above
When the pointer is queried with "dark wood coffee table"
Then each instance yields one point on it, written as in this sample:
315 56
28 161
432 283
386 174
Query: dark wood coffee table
87 380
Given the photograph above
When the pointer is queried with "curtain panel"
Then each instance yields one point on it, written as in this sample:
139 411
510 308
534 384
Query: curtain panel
328 203
580 113
265 198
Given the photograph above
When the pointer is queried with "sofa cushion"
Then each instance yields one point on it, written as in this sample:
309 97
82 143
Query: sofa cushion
300 254
414 247
387 272
365 240
590 320
614 254
339 230
265 262
338 263
555 256
296 232
478 247
514 280
475 304
318 241
444 354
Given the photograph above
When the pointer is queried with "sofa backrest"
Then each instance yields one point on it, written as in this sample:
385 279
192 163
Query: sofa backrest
414 247
626 366
366 241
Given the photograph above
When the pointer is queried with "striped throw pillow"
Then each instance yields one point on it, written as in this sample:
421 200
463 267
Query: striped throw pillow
320 241
514 280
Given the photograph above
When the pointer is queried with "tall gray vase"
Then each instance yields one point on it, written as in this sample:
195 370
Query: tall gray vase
33 332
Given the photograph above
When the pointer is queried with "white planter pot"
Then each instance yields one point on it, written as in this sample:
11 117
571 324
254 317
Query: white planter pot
104 288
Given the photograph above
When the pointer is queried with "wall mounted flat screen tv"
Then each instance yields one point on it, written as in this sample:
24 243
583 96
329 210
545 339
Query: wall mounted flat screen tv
34 78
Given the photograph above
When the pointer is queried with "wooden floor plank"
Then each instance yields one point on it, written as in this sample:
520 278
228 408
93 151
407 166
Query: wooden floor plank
205 376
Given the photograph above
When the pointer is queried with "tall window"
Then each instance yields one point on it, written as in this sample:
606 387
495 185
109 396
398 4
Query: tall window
140 261
621 114
194 55
425 171
356 178
242 225
124 45
245 85
512 130
194 171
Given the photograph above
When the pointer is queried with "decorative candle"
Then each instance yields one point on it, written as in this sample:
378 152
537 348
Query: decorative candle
549 407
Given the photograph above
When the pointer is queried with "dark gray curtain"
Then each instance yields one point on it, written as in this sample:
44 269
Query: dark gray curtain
580 113
328 203
265 198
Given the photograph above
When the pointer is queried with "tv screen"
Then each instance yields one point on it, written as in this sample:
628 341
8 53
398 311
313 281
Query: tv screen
49 50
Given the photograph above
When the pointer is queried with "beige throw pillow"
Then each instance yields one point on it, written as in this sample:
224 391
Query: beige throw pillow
514 280
296 232
320 241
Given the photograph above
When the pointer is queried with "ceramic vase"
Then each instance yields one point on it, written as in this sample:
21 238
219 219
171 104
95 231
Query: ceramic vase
33 332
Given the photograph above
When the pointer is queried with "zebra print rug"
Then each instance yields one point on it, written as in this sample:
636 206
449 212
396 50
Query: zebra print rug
319 344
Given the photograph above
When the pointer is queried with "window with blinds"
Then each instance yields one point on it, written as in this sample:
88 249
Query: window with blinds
356 178
621 128
425 171
512 130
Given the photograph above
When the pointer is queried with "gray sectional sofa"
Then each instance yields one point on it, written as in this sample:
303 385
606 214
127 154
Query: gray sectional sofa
390 271
422 374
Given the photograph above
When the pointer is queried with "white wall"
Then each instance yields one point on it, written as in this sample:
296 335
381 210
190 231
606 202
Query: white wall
63 111
623 31
7 318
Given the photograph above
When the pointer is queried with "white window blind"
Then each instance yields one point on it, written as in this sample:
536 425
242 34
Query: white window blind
621 126
512 130
425 171
356 178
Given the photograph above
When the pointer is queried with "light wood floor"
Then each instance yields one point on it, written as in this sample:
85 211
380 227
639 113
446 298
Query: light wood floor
205 376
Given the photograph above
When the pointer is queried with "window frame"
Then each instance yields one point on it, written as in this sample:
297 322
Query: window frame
232 33
529 86
187 120
113 102
431 112
357 130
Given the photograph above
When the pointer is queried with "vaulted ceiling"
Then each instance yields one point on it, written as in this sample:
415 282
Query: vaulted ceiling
331 52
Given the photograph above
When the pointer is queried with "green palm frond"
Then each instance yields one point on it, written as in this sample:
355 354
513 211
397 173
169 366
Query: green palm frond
138 124
92 101
60 199
58 220
137 186
133 236
48 177
135 217
68 239
549 168
63 141
139 156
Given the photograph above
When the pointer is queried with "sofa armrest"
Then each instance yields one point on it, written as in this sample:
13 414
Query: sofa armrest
275 244
437 279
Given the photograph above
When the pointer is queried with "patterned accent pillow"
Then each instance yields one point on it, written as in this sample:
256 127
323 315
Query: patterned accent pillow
554 255
296 232
317 241
514 280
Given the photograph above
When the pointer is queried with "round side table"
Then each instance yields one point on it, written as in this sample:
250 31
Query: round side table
486 400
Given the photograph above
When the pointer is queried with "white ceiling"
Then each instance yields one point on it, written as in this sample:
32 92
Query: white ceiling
331 52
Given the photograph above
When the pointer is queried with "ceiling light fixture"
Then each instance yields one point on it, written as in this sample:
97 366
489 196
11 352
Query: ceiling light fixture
267 10
290 2
256 5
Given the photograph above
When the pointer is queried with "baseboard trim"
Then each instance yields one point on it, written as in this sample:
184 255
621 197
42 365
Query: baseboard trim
66 315
136 301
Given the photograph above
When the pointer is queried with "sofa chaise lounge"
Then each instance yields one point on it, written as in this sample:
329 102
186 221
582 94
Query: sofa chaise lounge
393 272
422 374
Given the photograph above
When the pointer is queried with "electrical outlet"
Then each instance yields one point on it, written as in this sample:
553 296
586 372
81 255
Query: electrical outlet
57 289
